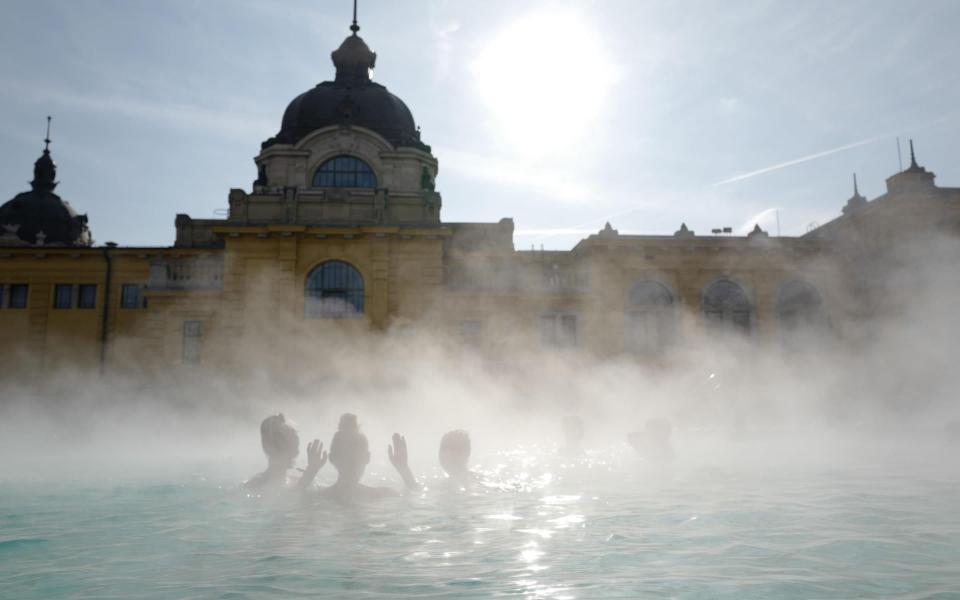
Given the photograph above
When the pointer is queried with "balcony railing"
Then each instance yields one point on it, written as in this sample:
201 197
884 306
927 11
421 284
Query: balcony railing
186 273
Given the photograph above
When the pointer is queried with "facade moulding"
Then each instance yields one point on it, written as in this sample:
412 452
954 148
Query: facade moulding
306 230
323 132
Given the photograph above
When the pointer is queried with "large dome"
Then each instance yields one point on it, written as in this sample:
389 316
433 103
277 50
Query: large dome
41 217
351 99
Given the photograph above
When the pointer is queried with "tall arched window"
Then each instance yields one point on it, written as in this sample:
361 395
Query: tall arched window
334 290
345 171
799 305
651 322
726 305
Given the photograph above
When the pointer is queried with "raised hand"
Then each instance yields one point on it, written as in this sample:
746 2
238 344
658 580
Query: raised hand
316 455
398 452
398 458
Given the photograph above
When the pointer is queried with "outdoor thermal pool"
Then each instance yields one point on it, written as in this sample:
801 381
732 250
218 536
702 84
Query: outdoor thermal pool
602 526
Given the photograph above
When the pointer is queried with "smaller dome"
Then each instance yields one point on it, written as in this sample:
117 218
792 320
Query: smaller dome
40 217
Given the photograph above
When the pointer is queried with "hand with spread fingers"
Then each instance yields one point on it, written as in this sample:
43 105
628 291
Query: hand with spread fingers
397 453
316 455
316 458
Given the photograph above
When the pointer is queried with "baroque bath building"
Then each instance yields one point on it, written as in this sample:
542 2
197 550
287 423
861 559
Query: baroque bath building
341 233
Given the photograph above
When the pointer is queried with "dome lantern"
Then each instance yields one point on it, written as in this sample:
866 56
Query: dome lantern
353 59
351 99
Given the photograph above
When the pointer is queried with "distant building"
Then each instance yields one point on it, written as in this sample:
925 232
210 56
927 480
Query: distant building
341 233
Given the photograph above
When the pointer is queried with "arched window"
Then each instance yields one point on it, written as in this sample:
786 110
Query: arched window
651 322
334 290
725 305
799 305
345 171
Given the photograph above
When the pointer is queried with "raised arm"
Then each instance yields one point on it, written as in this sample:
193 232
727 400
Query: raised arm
316 458
398 458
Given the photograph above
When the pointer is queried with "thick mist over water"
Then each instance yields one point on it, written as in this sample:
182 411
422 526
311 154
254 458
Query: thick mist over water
888 381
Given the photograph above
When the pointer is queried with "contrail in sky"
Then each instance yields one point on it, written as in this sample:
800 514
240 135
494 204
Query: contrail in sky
545 233
797 161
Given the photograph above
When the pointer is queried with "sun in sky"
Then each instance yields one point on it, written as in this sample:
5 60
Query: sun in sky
545 79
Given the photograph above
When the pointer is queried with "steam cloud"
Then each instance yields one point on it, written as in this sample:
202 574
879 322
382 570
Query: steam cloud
888 378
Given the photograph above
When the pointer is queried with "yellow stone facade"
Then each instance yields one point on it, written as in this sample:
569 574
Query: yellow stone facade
230 286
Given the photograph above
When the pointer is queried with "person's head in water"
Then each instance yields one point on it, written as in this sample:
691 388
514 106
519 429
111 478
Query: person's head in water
455 452
349 450
572 431
280 441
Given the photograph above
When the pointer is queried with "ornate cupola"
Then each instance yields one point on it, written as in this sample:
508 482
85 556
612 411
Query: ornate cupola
40 217
352 98
353 59
914 179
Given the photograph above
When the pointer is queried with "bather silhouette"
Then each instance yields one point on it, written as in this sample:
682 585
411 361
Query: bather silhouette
350 454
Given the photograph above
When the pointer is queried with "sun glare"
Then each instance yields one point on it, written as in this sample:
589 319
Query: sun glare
545 78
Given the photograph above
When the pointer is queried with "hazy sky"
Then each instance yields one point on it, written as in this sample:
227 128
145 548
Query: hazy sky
562 115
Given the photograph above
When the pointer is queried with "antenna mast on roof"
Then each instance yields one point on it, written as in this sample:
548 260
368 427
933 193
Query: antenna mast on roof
899 157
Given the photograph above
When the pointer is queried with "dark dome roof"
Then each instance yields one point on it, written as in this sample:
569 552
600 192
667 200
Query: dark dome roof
42 213
351 99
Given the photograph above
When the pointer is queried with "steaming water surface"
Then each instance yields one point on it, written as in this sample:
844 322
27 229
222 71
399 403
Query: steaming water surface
601 526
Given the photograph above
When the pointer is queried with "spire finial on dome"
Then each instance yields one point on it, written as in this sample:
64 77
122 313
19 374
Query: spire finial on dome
913 157
856 191
353 59
354 27
44 170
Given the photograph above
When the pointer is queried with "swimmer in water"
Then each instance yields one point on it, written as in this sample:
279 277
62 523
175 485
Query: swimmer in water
573 432
455 455
281 444
350 454
654 441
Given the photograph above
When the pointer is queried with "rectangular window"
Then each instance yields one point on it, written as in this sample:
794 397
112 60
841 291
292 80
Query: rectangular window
130 295
17 295
63 295
558 330
192 335
741 320
87 296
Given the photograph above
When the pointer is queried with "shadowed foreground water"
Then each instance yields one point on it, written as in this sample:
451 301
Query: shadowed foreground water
593 528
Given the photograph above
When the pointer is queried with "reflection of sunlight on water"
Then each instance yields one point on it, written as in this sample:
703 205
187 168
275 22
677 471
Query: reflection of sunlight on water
531 553
504 517
581 534
567 520
529 472
544 533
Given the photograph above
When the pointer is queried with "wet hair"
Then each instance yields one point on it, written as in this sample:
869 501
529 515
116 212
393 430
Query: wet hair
278 436
455 443
348 443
